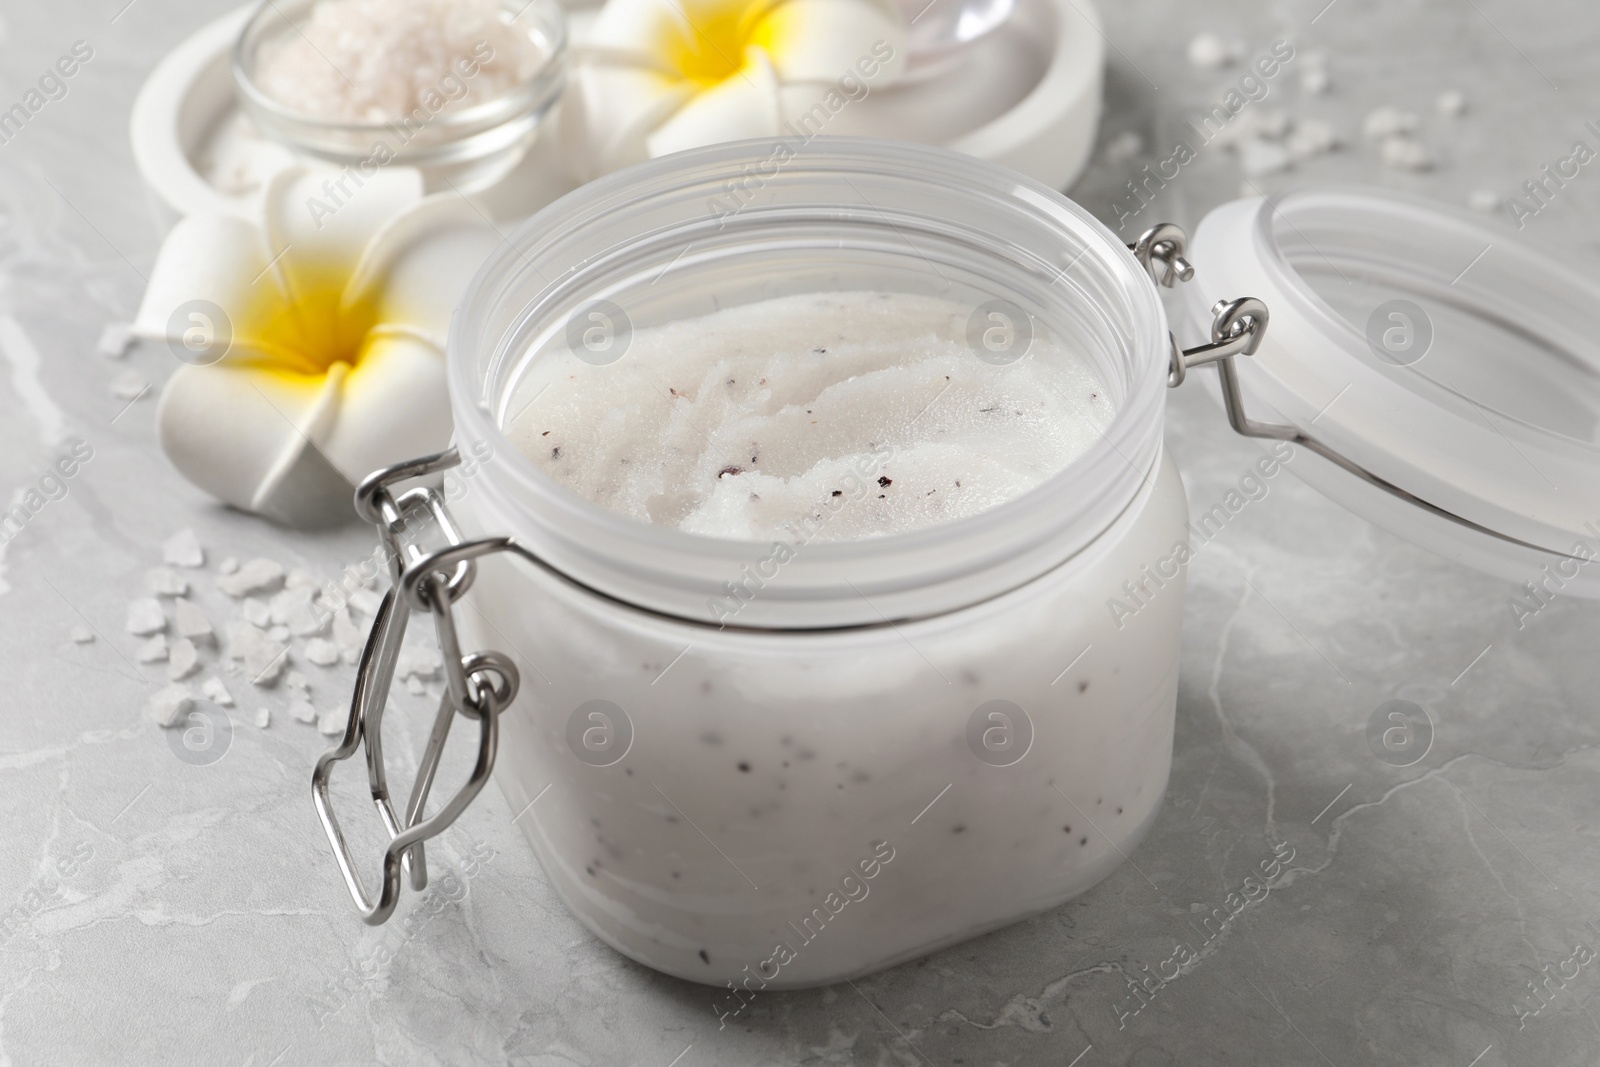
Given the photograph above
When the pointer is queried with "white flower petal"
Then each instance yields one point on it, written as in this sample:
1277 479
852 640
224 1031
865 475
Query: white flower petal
415 268
611 110
394 405
317 228
650 27
745 105
827 40
216 258
235 430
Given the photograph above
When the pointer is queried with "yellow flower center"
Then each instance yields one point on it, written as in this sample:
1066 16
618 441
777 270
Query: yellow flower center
708 45
306 335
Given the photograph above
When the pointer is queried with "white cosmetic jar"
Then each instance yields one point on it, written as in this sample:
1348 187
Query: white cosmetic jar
888 745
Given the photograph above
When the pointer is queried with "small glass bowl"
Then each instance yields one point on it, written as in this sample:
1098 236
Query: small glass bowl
467 148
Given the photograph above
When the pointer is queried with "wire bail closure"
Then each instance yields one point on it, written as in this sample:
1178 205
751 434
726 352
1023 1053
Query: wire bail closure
479 685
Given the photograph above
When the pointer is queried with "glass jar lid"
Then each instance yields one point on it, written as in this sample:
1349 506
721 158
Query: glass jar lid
1455 366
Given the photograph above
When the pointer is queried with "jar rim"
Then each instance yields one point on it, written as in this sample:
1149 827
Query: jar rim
1008 543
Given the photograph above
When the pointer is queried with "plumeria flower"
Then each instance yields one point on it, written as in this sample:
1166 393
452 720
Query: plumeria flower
313 338
659 76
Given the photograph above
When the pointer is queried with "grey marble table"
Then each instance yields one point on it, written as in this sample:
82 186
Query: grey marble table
161 910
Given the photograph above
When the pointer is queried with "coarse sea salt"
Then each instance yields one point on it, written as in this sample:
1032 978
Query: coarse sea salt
382 60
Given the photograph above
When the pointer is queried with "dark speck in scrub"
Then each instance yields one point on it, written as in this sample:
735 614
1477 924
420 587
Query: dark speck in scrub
860 777
1083 685
590 870
1099 800
730 470
820 351
545 434
786 763
838 492
670 818
555 453
1066 829
1119 811
805 753
675 874
1083 840
705 959
628 771
744 766
710 738
705 686
885 481
958 829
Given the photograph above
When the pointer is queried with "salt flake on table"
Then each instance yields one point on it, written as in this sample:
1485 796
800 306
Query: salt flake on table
1208 51
1485 200
129 385
260 575
82 635
424 662
1123 147
1314 82
1386 121
299 682
164 581
414 686
331 723
322 652
145 617
191 621
257 612
347 635
183 659
1451 102
1402 153
263 657
366 601
215 691
115 337
302 711
183 549
167 706
263 718
229 566
153 650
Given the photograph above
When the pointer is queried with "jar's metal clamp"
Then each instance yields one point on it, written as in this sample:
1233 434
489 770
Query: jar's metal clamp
479 685
1238 327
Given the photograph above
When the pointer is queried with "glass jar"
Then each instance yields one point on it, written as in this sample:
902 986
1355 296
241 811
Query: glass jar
466 148
784 764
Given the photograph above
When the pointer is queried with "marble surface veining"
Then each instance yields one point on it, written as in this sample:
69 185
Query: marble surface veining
161 910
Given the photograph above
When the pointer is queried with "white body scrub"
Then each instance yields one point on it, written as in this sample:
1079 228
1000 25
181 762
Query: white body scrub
747 423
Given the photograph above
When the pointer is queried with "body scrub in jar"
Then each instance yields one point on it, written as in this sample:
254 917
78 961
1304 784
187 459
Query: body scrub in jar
456 88
828 495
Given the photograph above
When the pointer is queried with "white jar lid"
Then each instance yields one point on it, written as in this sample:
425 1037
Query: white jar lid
1432 349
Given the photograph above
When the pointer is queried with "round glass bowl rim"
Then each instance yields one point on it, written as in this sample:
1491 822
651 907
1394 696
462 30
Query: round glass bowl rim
525 95
1142 407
